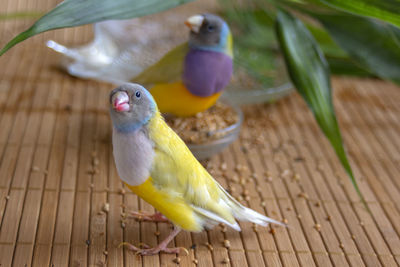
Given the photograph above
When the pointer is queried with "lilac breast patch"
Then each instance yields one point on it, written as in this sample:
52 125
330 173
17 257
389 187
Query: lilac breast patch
206 72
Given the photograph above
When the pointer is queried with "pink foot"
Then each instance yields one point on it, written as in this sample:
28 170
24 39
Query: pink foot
143 216
162 247
147 251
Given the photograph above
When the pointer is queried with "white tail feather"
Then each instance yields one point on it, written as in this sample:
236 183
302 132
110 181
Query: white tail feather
211 215
242 213
71 53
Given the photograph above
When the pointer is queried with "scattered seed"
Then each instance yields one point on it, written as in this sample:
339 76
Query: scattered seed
247 198
195 261
299 216
328 218
272 231
209 246
121 191
341 245
317 227
235 179
225 261
285 173
7 197
238 168
296 177
35 168
105 252
106 207
91 185
203 127
96 161
285 221
123 225
227 244
361 223
288 208
317 204
303 195
224 167
177 260
263 203
223 227
353 237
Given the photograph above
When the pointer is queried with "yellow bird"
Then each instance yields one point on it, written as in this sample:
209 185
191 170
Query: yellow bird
157 166
190 78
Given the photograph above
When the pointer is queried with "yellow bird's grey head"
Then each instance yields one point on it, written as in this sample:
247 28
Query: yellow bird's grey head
208 30
131 107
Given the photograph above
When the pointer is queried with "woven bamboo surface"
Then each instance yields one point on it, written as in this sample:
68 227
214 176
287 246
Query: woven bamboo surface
57 172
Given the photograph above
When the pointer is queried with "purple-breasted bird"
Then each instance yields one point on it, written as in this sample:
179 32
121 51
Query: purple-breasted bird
190 78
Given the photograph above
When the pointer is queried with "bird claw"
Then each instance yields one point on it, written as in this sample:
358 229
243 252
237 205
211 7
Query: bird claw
143 245
142 216
147 251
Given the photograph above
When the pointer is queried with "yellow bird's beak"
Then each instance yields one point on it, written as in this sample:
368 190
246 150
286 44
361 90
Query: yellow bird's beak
194 22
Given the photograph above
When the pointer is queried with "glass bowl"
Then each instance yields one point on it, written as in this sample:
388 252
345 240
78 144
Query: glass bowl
224 137
261 95
246 87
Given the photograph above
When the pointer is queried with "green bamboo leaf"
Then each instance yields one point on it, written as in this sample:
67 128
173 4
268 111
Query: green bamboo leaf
373 45
72 13
386 10
310 74
347 66
325 41
21 15
339 61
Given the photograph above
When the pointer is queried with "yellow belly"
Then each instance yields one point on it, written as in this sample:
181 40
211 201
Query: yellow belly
175 99
173 207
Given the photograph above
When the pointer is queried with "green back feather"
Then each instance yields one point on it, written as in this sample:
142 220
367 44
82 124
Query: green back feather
168 69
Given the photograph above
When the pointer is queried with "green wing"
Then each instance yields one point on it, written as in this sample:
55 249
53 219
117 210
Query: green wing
168 69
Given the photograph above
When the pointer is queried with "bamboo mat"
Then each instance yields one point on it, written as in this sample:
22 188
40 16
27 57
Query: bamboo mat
57 172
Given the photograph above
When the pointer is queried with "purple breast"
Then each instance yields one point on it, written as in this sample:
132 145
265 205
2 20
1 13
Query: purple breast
205 72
